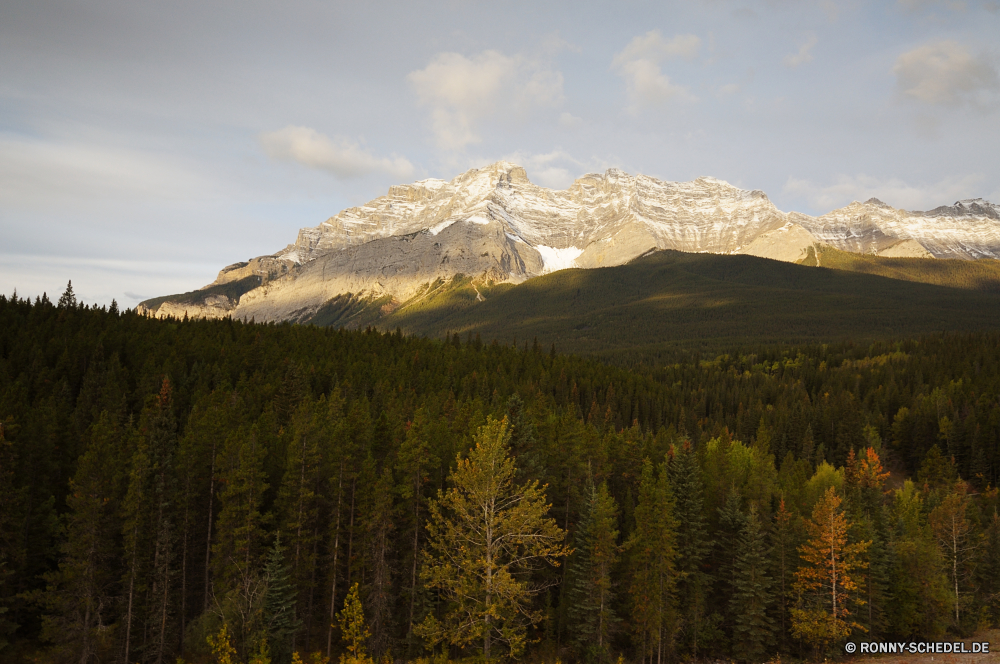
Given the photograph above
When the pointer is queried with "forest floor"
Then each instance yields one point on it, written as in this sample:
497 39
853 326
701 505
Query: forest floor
993 657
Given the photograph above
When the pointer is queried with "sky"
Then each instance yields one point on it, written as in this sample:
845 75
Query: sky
145 145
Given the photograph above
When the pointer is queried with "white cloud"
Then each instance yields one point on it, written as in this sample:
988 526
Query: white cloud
570 121
460 91
894 191
804 55
639 64
43 173
342 157
556 169
946 73
653 47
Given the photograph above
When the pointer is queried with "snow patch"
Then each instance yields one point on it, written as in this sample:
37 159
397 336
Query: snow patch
557 259
434 230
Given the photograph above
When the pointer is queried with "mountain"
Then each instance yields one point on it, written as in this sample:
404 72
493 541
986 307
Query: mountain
495 226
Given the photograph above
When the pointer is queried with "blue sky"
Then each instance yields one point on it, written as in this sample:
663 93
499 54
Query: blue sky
143 146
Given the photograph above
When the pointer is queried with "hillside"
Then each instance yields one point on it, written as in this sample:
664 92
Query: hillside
672 298
982 274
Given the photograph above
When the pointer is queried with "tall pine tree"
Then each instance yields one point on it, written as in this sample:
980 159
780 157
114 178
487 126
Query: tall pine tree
592 595
751 601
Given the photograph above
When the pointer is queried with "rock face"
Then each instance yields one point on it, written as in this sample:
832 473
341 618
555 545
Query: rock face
493 224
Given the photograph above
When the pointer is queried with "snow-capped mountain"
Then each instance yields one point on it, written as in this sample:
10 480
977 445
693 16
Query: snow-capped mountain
493 224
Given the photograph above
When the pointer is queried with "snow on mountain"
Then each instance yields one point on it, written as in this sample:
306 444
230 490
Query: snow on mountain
494 224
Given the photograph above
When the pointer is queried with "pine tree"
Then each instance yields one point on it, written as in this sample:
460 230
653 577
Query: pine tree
784 542
824 580
485 535
80 594
279 604
652 559
592 594
299 501
732 522
751 602
68 299
379 534
413 462
693 543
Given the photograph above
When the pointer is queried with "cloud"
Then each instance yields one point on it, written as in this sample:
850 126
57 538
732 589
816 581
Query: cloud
917 5
461 91
894 191
44 173
556 169
793 60
570 121
727 90
945 73
639 64
342 157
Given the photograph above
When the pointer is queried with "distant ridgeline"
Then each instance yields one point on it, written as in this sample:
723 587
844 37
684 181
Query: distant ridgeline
491 227
175 488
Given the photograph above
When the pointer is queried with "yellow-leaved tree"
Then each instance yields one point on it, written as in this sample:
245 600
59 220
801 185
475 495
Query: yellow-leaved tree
354 629
485 536
824 580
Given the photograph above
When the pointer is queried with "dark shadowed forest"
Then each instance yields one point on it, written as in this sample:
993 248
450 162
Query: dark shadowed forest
215 491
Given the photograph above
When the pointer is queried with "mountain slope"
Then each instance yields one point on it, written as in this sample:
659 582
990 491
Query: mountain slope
671 297
494 225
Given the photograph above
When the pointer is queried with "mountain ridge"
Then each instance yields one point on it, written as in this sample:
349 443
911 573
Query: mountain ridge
494 225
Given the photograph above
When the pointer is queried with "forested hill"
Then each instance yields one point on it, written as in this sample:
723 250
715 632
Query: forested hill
169 484
683 300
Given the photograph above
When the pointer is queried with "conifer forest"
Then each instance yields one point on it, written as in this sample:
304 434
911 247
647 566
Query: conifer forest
216 491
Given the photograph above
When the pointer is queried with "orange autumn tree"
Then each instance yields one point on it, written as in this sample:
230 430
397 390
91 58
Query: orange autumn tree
824 580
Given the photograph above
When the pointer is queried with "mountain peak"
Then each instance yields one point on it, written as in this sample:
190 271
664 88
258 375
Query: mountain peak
877 203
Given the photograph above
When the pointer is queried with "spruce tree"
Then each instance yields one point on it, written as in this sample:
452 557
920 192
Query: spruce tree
592 594
652 557
81 593
784 544
693 543
380 528
279 604
68 299
752 598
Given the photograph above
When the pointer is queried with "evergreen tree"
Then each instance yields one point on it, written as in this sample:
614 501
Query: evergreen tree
988 570
920 603
750 604
81 593
732 523
485 535
693 543
379 534
784 543
279 604
68 299
299 502
592 594
652 559
414 463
